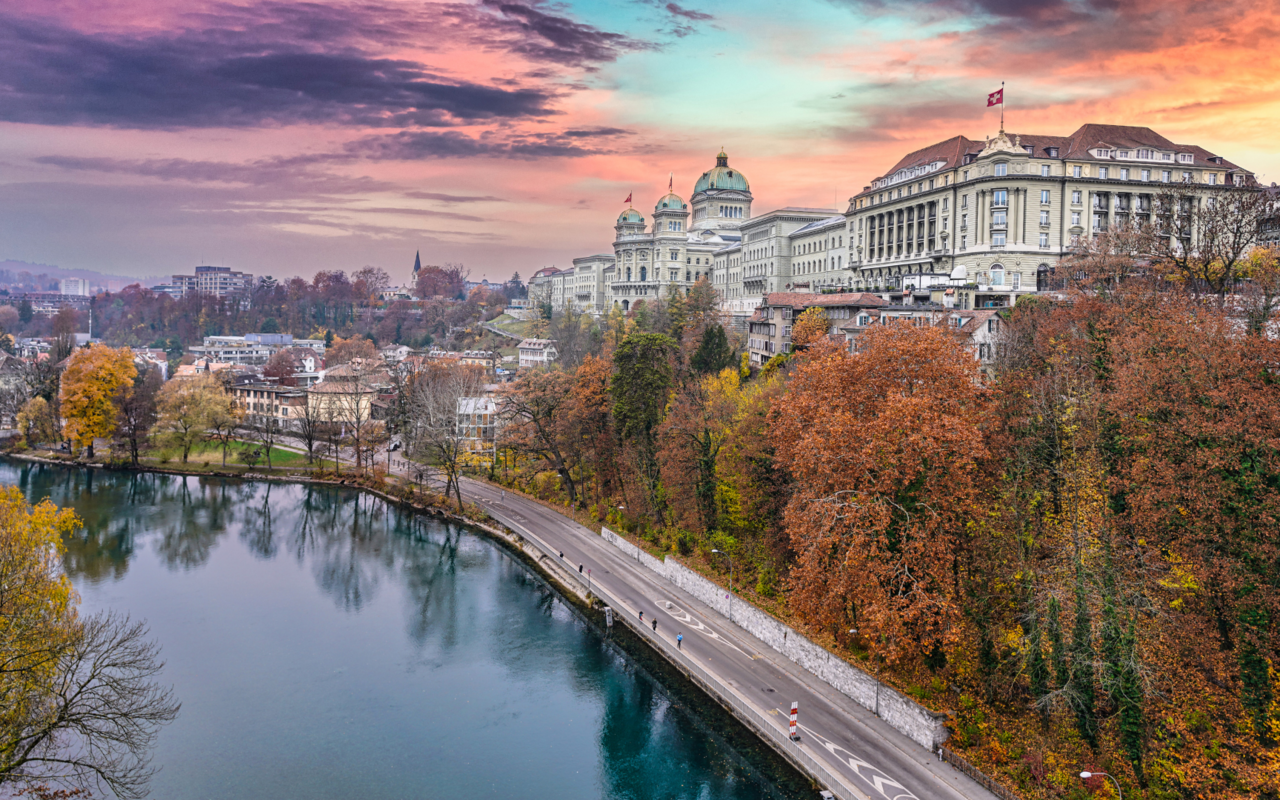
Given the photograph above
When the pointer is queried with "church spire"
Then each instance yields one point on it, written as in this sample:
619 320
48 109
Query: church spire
417 262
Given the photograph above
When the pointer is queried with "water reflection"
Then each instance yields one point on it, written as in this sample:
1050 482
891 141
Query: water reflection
426 625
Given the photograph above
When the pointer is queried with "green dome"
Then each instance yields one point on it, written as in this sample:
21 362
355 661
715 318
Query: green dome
670 201
722 177
630 215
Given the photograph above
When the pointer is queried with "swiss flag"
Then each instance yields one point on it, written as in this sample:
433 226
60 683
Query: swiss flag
628 200
996 98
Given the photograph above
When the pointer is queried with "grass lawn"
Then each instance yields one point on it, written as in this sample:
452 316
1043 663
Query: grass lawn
510 324
210 454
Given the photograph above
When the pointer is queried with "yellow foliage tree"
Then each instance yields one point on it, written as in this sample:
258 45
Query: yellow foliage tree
96 379
187 408
37 607
35 421
811 327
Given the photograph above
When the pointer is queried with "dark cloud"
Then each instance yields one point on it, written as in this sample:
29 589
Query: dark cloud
454 198
286 63
417 145
688 13
588 133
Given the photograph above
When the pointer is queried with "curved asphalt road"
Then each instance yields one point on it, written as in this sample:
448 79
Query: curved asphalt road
836 731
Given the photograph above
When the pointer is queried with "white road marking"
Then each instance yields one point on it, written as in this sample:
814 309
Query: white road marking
875 776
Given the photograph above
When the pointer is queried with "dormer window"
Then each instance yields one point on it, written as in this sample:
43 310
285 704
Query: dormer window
1053 152
1002 169
1122 154
1186 158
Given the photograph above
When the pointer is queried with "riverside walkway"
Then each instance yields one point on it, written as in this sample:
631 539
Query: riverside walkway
867 759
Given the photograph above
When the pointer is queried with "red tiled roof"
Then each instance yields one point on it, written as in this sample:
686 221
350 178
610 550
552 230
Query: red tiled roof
810 300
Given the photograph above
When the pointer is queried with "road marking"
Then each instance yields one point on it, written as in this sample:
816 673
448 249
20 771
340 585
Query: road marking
684 616
877 780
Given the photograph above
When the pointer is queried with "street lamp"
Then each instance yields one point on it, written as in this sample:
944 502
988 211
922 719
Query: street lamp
726 555
1087 775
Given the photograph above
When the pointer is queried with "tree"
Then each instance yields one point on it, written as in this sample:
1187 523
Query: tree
36 421
267 430
447 281
1205 242
1260 291
138 411
25 312
186 407
309 427
640 390
78 701
64 333
281 367
343 351
810 327
222 422
713 353
97 379
887 455
536 415
435 435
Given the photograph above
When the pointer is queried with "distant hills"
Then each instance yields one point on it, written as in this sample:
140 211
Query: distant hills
44 277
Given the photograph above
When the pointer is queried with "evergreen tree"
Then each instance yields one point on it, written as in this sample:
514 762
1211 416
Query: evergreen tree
1129 697
1057 647
1081 689
640 389
713 353
1036 665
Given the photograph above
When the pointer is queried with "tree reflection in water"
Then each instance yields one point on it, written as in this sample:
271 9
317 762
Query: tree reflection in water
354 546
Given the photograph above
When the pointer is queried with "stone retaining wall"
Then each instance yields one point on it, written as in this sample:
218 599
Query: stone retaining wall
924 727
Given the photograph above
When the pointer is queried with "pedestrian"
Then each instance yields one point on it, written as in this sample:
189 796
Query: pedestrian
562 554
504 495
655 624
679 640
642 616
579 568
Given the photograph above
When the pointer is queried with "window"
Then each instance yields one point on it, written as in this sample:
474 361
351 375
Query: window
966 175
997 275
1044 197
998 218
1044 241
1076 172
964 201
1186 158
1044 170
1075 198
1075 218
1166 156
1102 173
1145 154
1122 154
964 242
1124 174
931 183
1000 197
1165 175
997 240
1053 152
1186 177
1146 175
944 203
1002 169
1044 217
1212 179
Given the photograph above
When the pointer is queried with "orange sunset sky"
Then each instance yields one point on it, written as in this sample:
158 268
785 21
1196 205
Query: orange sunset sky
287 137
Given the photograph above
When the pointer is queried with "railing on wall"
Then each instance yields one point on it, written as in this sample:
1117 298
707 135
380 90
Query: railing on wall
959 762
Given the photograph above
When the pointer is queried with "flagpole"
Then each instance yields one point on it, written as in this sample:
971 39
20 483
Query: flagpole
1002 103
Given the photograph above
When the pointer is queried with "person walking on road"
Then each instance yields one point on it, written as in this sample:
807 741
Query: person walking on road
642 616
679 640
655 624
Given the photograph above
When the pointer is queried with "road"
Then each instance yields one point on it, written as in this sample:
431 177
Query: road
845 737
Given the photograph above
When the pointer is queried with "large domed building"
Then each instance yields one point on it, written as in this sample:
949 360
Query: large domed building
651 261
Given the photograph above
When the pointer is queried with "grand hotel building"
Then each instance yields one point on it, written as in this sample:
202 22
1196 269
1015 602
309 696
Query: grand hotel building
962 223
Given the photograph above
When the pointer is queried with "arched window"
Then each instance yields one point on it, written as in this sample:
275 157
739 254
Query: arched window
644 274
628 273
997 275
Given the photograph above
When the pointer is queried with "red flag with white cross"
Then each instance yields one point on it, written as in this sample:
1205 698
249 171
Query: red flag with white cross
996 98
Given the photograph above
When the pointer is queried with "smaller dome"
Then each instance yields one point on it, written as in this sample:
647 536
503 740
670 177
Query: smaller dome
671 201
630 215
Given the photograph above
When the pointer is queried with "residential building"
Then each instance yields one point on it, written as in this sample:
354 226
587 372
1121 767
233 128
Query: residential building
537 352
74 286
990 220
478 423
260 401
254 348
769 328
215 281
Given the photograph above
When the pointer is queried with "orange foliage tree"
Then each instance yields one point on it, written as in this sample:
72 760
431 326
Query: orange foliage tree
811 326
886 451
95 382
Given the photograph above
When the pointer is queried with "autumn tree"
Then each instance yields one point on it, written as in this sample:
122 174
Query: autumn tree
887 455
138 411
281 368
435 435
79 703
186 408
222 424
1205 241
536 415
343 351
36 422
1260 289
699 421
97 379
810 327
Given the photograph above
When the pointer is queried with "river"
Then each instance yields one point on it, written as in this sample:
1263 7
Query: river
327 644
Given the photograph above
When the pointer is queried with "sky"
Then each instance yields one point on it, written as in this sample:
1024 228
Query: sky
282 138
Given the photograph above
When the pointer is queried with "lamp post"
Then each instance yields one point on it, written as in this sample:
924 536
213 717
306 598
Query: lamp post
1087 775
726 555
